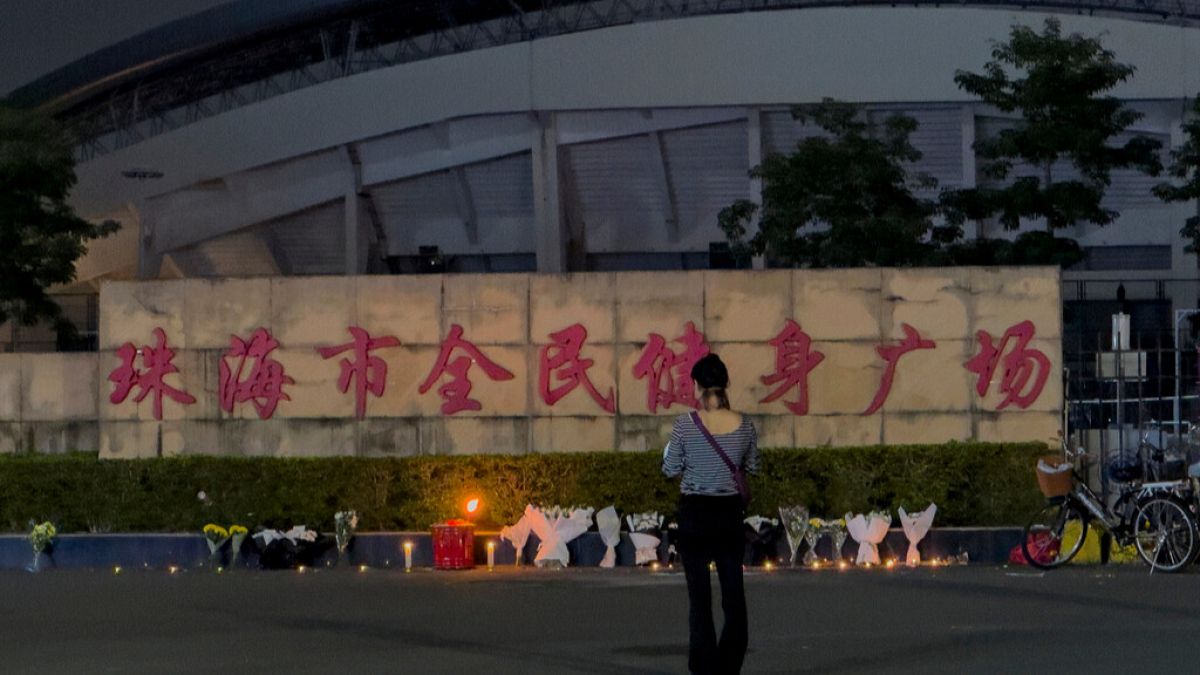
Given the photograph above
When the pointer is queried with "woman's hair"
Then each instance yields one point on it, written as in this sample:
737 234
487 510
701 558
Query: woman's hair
710 373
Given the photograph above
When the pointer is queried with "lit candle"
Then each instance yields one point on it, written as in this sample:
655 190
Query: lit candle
768 565
117 569
491 555
408 556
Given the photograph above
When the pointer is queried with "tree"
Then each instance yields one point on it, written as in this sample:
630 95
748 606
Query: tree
40 235
1058 85
840 200
1185 166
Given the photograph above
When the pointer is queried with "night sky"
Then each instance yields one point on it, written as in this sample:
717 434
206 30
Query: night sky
37 36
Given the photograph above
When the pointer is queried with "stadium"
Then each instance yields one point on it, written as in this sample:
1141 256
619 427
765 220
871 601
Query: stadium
346 137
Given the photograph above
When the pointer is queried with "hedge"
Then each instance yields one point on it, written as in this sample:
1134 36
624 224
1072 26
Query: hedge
972 483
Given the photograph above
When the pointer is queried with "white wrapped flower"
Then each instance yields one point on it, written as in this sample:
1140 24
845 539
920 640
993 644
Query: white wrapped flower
869 531
609 525
916 526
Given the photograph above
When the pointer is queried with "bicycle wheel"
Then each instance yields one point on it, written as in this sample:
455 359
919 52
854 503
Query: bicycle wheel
1165 534
1054 535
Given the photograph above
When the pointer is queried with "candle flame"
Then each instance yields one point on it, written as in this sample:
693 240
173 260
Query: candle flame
472 505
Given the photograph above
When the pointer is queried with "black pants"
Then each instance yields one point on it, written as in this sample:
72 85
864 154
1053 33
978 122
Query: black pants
710 530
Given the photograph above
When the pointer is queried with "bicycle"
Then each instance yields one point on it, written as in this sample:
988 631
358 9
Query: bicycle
1154 517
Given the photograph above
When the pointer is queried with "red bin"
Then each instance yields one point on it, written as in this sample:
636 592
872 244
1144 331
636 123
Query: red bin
454 545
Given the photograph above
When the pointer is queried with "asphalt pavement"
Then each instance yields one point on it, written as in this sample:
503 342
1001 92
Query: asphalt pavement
970 619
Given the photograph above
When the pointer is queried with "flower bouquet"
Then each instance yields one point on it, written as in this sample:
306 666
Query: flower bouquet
555 531
41 537
344 524
645 532
517 535
868 530
762 534
608 523
237 535
215 536
836 529
795 526
916 526
812 535
279 549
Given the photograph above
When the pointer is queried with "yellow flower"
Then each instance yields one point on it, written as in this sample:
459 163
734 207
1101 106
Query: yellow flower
816 522
216 531
237 529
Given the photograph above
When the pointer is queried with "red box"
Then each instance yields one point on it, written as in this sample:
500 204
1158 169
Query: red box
454 545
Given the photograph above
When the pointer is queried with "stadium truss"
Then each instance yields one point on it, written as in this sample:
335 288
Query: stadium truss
117 104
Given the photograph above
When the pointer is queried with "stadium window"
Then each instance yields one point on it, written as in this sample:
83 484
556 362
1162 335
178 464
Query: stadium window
1113 258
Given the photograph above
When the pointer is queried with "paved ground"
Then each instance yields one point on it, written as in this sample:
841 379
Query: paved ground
955 620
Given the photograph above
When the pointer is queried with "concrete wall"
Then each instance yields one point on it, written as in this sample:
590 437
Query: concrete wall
53 401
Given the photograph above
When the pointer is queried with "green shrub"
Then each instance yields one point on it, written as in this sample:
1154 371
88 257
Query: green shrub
972 484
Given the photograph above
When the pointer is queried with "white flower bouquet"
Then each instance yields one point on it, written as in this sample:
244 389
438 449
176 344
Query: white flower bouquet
868 530
916 526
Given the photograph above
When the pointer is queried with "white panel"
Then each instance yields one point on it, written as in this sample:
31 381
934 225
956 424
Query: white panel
310 242
709 169
782 132
619 196
502 191
210 208
238 254
938 137
420 211
424 211
1131 188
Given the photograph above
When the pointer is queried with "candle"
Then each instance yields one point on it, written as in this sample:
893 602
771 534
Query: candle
408 556
491 555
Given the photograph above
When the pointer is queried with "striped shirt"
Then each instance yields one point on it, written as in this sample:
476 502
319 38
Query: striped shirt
704 472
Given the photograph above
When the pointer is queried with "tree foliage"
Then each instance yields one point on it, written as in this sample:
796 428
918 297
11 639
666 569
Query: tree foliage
1185 167
842 199
40 235
1058 84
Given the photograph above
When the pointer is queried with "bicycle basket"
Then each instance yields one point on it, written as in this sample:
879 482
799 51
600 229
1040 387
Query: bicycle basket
1125 469
1054 476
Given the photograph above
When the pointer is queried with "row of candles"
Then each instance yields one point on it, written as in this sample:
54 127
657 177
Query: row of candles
408 561
768 565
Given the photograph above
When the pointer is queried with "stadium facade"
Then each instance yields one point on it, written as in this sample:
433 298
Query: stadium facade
341 137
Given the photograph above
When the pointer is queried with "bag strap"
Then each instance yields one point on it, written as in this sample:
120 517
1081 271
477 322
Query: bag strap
713 442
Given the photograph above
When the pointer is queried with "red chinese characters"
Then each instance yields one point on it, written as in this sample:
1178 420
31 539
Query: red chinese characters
669 373
263 385
456 393
369 373
157 361
794 360
892 353
561 362
1025 369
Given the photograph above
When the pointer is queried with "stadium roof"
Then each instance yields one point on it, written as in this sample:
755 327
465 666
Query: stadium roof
240 52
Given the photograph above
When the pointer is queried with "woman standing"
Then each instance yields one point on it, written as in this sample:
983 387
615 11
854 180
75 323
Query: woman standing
710 516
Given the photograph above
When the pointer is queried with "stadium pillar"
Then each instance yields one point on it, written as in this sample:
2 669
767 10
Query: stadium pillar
968 156
754 147
551 247
149 261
